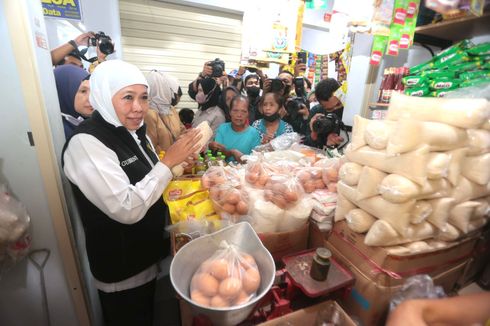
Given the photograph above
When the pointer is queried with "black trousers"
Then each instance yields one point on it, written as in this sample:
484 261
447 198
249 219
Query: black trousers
130 307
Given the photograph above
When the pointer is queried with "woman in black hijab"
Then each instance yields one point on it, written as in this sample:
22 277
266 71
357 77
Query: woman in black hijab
207 96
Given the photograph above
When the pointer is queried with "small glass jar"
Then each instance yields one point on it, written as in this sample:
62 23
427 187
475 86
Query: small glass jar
321 264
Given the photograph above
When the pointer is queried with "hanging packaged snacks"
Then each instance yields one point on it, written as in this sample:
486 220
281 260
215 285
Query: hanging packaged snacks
408 31
400 12
414 81
394 40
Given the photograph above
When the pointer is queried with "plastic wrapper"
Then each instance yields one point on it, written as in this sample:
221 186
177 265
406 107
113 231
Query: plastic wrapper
378 49
258 173
229 201
441 207
310 178
280 143
417 287
412 165
218 175
295 216
350 173
284 191
195 205
343 207
461 215
15 237
383 233
330 170
462 112
228 278
478 141
438 165
421 212
477 168
467 190
369 182
311 154
377 133
398 189
359 221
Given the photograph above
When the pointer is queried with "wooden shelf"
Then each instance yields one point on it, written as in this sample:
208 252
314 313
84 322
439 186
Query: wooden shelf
378 105
457 29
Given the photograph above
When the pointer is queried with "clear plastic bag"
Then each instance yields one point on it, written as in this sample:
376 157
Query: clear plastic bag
15 237
229 201
257 173
311 178
330 170
417 287
228 278
217 175
283 190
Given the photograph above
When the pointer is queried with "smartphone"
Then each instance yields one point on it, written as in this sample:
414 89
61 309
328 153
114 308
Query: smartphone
302 57
252 69
276 85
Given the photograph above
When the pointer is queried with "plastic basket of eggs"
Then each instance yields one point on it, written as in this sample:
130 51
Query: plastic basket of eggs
222 284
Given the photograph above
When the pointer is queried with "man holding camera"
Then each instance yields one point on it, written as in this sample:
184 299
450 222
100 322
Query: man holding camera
325 120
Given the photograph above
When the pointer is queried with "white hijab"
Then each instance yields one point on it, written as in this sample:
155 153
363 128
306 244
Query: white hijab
108 78
163 89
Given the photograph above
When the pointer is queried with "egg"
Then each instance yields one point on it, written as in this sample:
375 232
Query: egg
229 208
214 193
230 287
242 208
255 168
219 180
318 183
200 298
332 187
251 280
279 188
252 177
309 187
242 298
247 261
205 182
304 176
207 284
268 195
290 196
205 265
232 197
220 269
263 178
332 174
279 201
218 302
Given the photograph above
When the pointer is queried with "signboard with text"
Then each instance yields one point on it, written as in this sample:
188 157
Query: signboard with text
65 9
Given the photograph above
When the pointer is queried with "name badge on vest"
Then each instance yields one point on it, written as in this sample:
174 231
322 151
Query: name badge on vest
130 160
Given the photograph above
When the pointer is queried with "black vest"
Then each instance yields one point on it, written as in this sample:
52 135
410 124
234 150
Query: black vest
118 251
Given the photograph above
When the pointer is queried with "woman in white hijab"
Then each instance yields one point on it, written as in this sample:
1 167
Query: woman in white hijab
118 181
163 124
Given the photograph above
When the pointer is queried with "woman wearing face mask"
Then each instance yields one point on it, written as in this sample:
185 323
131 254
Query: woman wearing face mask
271 125
118 181
82 103
225 100
252 88
207 96
163 124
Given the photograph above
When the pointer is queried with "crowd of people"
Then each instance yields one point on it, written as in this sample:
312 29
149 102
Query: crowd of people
118 120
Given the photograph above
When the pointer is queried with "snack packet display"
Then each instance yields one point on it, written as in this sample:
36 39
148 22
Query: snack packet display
228 278
379 46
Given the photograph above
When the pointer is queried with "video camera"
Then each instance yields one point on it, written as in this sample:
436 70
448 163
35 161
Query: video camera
218 67
327 124
103 42
293 105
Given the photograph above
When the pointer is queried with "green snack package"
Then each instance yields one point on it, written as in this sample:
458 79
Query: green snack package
452 59
443 83
417 91
414 81
431 74
463 45
466 66
480 49
477 74
474 82
394 40
379 46
439 93
415 70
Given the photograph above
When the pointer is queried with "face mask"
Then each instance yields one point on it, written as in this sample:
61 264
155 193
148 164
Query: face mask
271 118
313 104
253 91
201 98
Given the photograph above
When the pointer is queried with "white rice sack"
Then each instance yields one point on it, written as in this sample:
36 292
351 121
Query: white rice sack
398 189
486 125
359 221
436 244
421 212
412 165
369 182
477 168
397 250
343 207
350 172
451 233
418 247
398 215
483 210
265 216
467 190
463 113
476 224
377 132
441 207
410 134
461 215
454 172
436 188
478 141
358 131
438 165
382 233
296 216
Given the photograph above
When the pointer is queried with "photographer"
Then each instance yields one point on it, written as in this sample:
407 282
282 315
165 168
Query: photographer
325 118
297 114
61 52
212 69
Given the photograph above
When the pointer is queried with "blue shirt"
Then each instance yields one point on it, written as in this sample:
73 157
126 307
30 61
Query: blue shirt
244 141
283 128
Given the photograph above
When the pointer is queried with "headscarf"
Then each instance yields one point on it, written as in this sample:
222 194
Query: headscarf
107 79
222 101
163 89
68 79
212 91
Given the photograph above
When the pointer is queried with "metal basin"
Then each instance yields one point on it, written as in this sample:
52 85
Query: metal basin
190 256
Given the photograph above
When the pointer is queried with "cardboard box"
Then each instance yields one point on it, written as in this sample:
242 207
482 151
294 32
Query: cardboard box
316 237
369 300
285 243
390 270
308 316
